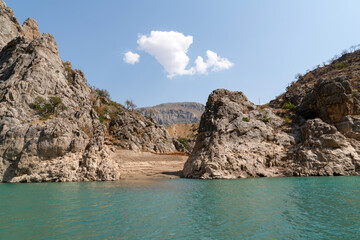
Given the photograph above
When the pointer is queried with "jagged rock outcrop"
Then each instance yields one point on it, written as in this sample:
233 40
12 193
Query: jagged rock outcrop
30 28
174 113
10 27
57 148
313 129
53 126
238 139
324 151
330 99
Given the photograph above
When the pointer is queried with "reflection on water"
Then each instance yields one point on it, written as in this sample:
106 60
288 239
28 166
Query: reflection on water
267 208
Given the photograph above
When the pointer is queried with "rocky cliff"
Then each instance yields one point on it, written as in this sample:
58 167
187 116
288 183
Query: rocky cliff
53 126
312 129
174 113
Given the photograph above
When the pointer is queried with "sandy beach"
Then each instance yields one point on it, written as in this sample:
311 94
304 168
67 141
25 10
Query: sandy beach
146 165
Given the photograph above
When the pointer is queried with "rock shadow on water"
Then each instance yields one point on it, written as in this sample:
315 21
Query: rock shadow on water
174 173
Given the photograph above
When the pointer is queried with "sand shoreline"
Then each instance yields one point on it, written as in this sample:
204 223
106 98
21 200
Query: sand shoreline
146 165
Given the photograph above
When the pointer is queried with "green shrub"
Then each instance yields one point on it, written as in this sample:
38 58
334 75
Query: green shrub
184 142
102 93
287 119
246 119
117 105
289 106
299 76
55 101
101 119
69 70
70 74
70 80
46 108
130 104
341 65
39 101
266 119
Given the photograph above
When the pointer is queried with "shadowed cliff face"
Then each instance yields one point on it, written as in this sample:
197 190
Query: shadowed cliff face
53 126
313 129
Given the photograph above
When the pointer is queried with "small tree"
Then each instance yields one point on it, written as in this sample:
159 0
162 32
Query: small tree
130 104
298 76
103 93
46 108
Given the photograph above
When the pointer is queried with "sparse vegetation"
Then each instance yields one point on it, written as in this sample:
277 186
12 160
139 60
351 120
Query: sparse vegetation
266 119
70 74
341 65
299 76
289 106
87 131
107 110
69 69
184 142
49 107
115 104
290 85
101 119
246 119
287 119
130 104
102 93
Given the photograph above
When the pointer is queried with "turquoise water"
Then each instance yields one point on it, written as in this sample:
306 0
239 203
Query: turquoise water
266 208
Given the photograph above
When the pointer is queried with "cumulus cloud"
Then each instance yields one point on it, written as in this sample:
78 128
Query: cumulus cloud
213 62
170 50
131 58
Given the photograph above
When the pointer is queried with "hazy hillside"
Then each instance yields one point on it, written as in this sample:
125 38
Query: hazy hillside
174 113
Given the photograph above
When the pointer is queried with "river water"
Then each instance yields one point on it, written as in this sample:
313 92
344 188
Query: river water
264 208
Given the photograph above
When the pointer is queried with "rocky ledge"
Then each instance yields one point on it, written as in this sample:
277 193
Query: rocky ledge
313 129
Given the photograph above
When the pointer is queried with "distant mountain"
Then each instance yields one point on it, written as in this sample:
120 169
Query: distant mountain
174 113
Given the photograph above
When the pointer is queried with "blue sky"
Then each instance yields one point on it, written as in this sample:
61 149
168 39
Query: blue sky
267 41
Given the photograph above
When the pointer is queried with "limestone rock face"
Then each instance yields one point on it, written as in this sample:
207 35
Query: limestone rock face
50 128
30 28
9 25
326 152
53 149
238 139
330 99
313 129
136 132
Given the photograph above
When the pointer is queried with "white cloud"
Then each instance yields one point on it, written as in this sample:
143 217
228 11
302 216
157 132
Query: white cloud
170 50
200 65
131 58
217 63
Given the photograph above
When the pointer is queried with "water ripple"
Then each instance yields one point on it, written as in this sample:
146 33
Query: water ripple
271 208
